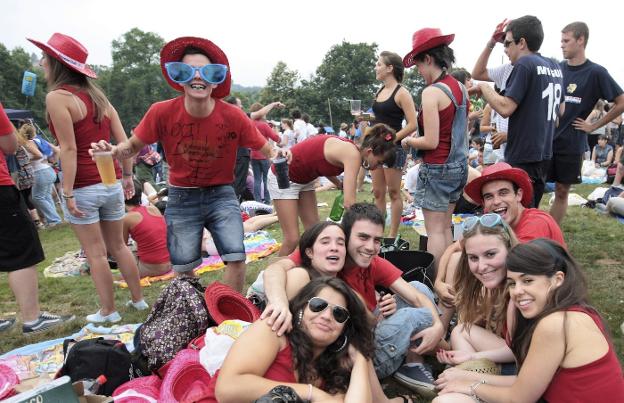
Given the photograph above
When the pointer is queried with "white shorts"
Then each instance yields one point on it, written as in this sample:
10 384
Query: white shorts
292 193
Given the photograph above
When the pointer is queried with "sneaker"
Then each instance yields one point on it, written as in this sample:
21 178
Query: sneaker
6 324
99 318
416 377
46 321
139 306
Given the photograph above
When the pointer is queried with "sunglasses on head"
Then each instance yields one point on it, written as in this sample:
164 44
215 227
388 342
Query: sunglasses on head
183 73
489 220
317 304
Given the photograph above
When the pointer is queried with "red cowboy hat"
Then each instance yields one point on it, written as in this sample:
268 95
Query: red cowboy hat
144 389
172 52
501 171
68 51
8 381
186 379
224 303
425 39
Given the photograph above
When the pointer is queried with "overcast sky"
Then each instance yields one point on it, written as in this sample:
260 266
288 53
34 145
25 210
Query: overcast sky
257 34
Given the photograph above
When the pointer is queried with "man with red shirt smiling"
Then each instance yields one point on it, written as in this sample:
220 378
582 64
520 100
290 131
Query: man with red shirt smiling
200 134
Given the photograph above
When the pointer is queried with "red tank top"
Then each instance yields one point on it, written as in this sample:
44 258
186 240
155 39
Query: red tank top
308 160
151 237
281 370
440 154
87 131
598 381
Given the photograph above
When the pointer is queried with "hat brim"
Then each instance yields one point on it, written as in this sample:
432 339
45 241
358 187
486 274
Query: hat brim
8 381
173 51
50 51
408 60
224 303
515 175
147 385
185 371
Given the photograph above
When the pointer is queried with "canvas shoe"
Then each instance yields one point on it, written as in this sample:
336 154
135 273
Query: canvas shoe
6 324
99 318
139 306
416 377
44 322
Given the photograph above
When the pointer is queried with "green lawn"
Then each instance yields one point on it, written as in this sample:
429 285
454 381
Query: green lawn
596 241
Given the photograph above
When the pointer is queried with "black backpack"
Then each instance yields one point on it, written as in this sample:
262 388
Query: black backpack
88 359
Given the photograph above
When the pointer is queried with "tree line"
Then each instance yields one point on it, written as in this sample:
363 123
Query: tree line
134 81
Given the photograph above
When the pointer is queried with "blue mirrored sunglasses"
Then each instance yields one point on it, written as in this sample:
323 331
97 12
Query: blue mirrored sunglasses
487 220
183 73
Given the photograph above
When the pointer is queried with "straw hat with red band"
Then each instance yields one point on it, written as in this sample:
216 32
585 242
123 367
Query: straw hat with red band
425 39
501 171
224 303
173 51
186 379
68 51
8 381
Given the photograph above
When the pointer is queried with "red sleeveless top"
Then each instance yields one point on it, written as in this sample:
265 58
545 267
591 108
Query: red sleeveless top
282 370
87 131
308 160
598 381
151 237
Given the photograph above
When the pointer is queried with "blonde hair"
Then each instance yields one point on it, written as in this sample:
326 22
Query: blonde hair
474 302
25 133
60 75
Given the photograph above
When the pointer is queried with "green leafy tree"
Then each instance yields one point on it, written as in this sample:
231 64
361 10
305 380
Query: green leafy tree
281 86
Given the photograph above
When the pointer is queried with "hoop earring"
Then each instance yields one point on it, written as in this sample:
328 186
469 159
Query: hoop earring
365 164
299 318
344 344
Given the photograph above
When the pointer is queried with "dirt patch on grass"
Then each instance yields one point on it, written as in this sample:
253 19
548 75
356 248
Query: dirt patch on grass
608 262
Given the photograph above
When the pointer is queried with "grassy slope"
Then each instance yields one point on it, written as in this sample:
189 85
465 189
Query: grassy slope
596 242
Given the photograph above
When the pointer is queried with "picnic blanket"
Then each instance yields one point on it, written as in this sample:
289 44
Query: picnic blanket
46 358
257 245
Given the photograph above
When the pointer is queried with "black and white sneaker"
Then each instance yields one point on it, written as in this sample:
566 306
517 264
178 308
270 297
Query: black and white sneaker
46 321
6 324
416 377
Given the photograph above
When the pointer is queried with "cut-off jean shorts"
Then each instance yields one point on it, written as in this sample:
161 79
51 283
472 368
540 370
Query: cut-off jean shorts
438 185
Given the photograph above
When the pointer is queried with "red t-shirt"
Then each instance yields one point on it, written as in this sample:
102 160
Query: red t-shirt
308 160
87 131
440 154
535 223
200 151
268 133
151 237
6 129
363 280
598 381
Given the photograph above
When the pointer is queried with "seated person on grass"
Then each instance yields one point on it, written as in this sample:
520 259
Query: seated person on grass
563 349
506 191
146 225
250 225
413 329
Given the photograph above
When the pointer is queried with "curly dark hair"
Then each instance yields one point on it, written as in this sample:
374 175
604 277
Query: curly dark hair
307 240
361 211
380 138
330 365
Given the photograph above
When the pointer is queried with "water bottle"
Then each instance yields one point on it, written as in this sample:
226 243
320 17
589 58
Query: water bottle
397 241
337 208
92 386
488 151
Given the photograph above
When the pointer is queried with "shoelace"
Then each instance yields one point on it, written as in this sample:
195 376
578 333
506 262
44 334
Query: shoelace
426 371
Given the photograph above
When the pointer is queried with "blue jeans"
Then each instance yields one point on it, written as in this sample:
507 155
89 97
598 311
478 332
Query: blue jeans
98 202
42 195
392 334
189 210
260 170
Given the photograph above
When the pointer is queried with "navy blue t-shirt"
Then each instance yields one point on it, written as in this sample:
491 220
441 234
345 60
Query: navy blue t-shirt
584 85
535 84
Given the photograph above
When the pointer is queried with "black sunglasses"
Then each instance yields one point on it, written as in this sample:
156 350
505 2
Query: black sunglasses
507 43
317 304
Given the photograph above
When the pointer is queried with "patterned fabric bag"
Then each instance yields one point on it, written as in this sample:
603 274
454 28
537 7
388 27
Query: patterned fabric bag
178 316
25 173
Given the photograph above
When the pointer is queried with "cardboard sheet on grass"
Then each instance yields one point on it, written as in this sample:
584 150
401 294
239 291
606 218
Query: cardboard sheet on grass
44 359
257 245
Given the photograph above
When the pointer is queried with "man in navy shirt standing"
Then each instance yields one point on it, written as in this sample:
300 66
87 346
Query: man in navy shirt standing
585 83
531 100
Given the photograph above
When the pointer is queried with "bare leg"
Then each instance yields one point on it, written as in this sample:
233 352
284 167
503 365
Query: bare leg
393 180
438 226
234 275
24 285
113 239
288 214
256 223
360 179
451 268
307 209
560 205
379 189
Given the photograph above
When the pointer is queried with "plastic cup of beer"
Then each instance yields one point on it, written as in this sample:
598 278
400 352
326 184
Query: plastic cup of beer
104 162
356 106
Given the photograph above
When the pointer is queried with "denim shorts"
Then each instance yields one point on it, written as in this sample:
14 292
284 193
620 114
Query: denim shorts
392 334
292 193
440 184
98 202
189 211
400 156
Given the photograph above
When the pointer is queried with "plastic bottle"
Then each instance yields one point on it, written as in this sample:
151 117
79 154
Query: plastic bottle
397 241
92 386
488 151
337 208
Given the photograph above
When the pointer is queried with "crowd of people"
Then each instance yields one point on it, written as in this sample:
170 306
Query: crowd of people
508 293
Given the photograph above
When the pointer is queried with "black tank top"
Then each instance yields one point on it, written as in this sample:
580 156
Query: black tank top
388 111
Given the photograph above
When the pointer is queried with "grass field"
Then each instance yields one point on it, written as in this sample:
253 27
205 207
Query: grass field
596 241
